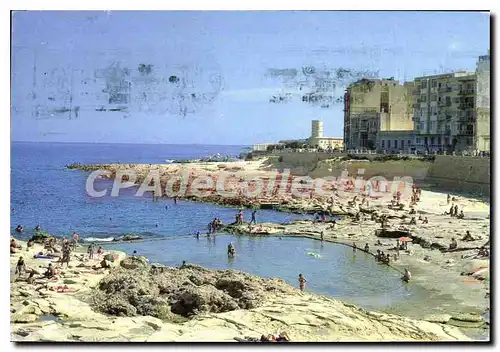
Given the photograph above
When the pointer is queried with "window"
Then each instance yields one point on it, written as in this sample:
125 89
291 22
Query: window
409 141
389 143
433 97
396 143
417 141
383 143
432 140
424 85
423 98
402 144
422 125
433 110
433 83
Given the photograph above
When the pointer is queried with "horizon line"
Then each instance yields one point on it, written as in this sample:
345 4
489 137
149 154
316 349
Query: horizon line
138 143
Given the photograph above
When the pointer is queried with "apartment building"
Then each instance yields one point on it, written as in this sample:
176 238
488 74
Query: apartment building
375 105
444 112
482 123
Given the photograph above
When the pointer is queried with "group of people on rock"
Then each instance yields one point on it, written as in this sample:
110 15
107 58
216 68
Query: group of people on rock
382 257
321 216
239 218
424 220
214 225
454 212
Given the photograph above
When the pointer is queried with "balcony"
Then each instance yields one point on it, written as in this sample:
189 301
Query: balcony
465 119
444 103
444 89
464 106
466 92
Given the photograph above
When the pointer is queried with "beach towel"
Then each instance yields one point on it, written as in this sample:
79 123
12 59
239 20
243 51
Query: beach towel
40 256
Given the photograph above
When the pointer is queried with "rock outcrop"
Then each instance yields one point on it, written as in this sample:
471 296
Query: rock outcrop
139 289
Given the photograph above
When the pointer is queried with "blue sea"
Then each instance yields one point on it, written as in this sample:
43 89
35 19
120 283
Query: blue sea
44 192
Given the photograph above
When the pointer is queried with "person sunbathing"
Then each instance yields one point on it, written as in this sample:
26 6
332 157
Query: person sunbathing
468 237
50 273
453 244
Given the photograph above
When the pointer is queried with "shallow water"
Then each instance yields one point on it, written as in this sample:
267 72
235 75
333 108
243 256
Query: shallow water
44 192
339 272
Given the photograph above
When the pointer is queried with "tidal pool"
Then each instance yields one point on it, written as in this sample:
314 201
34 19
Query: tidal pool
331 269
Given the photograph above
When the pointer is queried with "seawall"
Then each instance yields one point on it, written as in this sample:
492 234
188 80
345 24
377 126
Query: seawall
464 173
446 172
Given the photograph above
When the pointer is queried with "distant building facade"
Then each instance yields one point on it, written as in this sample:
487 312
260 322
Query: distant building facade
261 147
482 123
375 105
318 140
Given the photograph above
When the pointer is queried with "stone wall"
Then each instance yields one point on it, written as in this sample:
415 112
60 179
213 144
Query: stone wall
469 174
454 173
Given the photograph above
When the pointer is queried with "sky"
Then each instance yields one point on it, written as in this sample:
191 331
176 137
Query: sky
234 49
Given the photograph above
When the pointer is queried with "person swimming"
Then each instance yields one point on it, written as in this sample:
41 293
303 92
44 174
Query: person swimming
37 228
230 249
19 228
406 276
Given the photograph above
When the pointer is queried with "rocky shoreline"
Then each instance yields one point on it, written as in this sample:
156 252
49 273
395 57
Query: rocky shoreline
459 296
136 301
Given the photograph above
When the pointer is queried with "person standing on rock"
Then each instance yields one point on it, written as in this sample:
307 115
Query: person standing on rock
451 211
65 255
90 251
76 237
367 248
322 236
302 282
455 213
448 198
253 217
21 266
